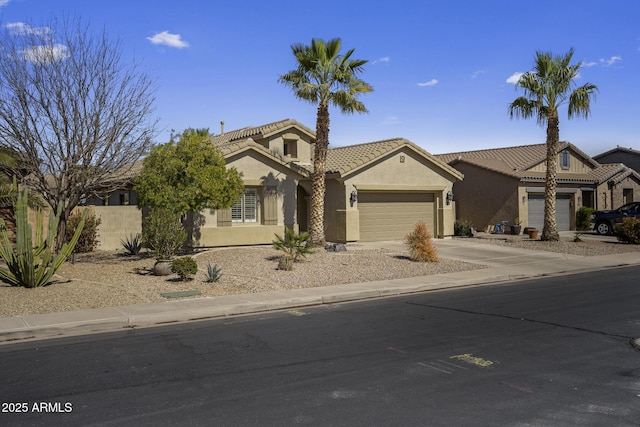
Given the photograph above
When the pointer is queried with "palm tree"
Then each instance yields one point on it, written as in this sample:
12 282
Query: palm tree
547 87
323 76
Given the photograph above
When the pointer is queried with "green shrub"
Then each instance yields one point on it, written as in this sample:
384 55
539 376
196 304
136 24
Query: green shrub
132 244
583 218
462 228
163 233
293 245
213 274
420 245
88 237
628 231
184 267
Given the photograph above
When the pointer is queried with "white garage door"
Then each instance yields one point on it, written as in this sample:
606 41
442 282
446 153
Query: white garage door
393 215
536 212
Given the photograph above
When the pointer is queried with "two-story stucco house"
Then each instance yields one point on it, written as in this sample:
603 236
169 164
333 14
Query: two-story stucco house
375 191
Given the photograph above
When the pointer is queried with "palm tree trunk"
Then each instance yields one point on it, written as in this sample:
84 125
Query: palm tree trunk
550 229
318 184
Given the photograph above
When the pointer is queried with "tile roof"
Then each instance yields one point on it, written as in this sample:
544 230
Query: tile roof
515 162
347 159
234 147
506 159
618 149
258 132
340 160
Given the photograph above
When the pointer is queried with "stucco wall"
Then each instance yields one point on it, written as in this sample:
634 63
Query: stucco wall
334 223
486 198
404 170
618 190
117 222
261 172
576 165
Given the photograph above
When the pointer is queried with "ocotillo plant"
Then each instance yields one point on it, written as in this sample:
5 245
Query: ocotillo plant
32 264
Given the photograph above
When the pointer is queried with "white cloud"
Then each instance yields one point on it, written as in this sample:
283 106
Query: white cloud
4 2
168 39
514 78
603 62
610 61
22 29
46 54
477 74
383 59
431 82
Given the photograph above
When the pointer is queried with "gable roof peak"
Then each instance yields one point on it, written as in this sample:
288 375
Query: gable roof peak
259 131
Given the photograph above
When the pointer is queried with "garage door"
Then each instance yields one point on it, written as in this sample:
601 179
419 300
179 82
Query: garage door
392 215
563 212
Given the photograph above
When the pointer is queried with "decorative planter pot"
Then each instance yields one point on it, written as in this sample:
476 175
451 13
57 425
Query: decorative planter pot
162 267
533 233
515 229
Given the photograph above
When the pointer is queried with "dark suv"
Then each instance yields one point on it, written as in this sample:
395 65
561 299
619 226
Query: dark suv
604 221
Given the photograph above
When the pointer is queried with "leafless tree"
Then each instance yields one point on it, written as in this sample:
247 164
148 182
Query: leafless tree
79 115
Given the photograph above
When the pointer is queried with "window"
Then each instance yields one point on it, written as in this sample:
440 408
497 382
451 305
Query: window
290 148
564 159
246 209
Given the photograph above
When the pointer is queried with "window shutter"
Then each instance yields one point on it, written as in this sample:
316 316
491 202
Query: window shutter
271 206
250 206
224 217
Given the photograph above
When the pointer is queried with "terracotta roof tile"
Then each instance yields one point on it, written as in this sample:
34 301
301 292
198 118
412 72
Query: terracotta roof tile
259 131
346 159
515 162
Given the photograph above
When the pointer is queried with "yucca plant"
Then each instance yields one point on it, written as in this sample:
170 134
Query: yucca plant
32 264
132 244
293 245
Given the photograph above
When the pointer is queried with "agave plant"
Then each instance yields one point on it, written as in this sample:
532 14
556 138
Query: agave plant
213 274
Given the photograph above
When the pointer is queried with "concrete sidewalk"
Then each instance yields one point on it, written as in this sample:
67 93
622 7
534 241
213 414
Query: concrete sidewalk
504 264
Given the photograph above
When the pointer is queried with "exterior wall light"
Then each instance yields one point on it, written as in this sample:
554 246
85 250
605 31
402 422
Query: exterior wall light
353 197
449 197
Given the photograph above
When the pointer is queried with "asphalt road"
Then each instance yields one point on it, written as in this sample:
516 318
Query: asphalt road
552 352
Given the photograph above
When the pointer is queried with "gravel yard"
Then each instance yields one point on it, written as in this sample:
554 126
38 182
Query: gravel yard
103 279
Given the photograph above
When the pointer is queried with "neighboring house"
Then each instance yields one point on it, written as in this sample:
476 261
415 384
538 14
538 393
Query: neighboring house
375 191
630 158
504 183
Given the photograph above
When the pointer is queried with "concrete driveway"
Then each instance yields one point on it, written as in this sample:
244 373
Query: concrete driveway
474 251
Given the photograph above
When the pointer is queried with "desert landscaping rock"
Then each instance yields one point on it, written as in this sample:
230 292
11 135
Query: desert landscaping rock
110 279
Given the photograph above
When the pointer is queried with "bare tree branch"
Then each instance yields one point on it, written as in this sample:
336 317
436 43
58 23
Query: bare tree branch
79 116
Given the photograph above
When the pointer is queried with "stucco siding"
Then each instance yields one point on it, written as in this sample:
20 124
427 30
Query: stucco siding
117 222
486 198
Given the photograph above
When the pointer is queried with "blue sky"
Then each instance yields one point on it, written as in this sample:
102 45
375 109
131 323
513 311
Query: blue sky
440 69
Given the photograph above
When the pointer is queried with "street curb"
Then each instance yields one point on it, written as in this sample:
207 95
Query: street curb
124 318
113 319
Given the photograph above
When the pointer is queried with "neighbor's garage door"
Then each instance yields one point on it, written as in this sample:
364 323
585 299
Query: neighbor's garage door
392 215
536 212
